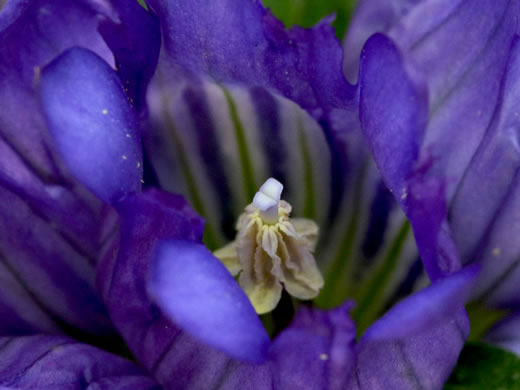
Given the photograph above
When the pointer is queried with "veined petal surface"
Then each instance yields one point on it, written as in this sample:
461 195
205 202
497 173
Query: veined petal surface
472 86
54 362
195 290
417 342
50 244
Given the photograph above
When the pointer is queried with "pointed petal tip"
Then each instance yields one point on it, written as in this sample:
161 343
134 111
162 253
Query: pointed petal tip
440 301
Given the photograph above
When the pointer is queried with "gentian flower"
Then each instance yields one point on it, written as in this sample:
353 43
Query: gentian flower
236 99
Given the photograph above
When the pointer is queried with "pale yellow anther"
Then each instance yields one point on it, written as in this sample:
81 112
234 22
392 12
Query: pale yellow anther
272 251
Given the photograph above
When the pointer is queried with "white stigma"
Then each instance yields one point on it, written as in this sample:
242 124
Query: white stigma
267 200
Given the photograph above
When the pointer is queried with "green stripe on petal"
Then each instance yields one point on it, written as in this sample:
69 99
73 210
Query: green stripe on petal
370 297
245 159
338 256
309 210
210 236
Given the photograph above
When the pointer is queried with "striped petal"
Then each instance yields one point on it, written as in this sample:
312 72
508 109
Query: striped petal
471 95
49 245
52 362
53 265
417 343
222 148
239 72
493 210
20 311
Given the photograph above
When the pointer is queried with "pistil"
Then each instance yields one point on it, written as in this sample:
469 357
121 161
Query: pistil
272 251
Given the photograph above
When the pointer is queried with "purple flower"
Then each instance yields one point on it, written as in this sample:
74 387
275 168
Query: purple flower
89 258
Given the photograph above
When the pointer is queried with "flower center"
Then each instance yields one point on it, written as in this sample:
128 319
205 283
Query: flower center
272 251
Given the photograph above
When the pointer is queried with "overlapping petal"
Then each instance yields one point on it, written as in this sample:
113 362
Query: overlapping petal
54 362
194 290
416 343
163 347
468 150
50 244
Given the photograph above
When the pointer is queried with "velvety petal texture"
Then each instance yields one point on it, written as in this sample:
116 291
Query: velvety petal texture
195 290
467 148
399 120
49 247
295 62
416 343
92 123
21 311
326 357
52 362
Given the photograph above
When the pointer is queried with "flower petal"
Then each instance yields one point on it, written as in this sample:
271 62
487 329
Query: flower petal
134 36
472 89
303 65
198 294
21 313
53 265
34 33
394 125
84 104
50 244
417 343
493 210
161 346
52 362
424 360
316 351
425 308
